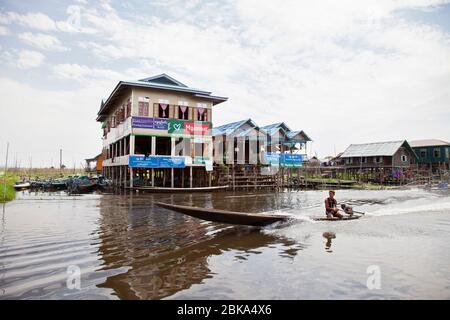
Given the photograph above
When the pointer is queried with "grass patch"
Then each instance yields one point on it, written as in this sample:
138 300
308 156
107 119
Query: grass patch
10 192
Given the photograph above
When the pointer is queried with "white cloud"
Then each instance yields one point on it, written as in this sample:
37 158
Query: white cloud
28 59
329 69
42 41
33 20
83 73
41 21
4 31
55 118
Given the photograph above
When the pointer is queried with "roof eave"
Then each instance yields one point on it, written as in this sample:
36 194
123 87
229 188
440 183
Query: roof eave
197 93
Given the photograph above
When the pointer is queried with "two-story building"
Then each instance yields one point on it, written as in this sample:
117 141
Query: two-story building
432 153
157 132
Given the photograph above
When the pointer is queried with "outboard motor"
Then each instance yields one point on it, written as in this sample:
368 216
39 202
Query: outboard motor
347 209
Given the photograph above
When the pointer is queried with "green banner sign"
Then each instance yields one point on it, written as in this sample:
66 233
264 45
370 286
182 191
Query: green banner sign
175 126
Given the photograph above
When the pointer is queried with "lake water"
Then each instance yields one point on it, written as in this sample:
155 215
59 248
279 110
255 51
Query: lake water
126 248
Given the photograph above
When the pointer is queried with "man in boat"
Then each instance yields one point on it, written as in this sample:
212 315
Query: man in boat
331 209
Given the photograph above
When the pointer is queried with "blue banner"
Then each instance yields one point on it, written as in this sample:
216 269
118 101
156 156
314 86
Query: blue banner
284 159
149 123
291 160
156 162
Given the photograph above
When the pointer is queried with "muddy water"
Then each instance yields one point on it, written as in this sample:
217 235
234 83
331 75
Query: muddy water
126 248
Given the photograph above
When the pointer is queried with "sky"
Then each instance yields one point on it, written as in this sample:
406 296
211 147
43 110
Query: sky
343 71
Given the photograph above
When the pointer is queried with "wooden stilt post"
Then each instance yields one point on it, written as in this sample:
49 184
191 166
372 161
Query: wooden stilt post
6 171
190 177
182 178
172 176
131 177
210 179
234 176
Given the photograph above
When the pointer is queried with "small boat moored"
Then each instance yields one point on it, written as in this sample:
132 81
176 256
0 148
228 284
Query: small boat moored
22 185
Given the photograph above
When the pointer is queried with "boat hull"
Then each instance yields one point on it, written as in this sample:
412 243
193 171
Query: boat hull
224 216
22 186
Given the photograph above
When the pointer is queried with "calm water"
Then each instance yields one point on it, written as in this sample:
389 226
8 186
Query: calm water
128 249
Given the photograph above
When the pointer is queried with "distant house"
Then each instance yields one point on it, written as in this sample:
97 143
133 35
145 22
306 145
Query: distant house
432 153
95 164
282 138
395 154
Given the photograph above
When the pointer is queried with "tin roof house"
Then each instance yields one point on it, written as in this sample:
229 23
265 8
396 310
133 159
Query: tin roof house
432 153
242 142
379 154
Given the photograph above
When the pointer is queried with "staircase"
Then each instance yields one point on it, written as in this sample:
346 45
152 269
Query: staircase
241 177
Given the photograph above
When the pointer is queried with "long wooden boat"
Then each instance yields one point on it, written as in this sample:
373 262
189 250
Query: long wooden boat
224 216
240 218
178 190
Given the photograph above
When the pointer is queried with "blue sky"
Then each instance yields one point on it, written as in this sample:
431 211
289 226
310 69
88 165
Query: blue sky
342 71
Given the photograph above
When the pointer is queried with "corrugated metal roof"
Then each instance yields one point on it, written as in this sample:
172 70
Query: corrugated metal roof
157 85
292 134
235 129
272 128
231 127
428 143
373 149
164 79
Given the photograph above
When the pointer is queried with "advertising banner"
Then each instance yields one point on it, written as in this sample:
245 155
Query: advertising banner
149 123
196 128
289 160
286 160
156 162
175 126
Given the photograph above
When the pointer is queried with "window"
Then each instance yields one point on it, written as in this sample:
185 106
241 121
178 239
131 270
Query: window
363 159
163 108
348 160
437 152
183 110
404 158
447 152
202 112
378 159
143 106
423 153
128 112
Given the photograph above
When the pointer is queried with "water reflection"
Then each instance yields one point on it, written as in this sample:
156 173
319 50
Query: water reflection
329 236
128 249
166 252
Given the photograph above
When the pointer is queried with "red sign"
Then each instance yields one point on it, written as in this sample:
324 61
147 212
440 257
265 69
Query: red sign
196 128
